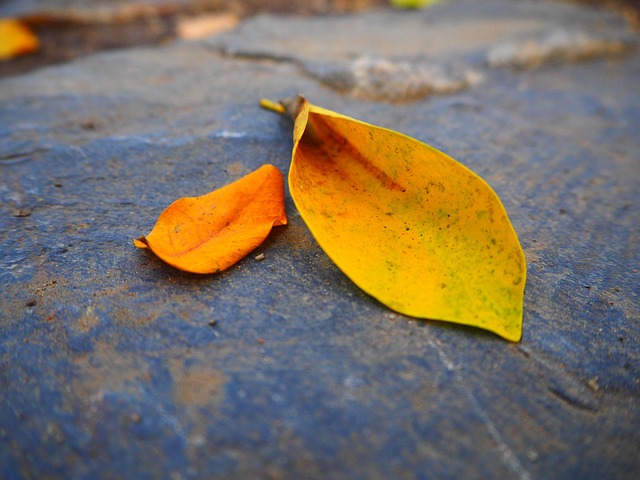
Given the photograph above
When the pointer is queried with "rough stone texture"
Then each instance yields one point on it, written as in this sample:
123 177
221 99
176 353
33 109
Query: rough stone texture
372 78
113 362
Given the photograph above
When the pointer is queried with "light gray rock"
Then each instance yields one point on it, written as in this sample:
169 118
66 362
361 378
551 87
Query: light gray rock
373 78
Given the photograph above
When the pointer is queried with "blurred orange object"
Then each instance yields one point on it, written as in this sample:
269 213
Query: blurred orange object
16 39
203 26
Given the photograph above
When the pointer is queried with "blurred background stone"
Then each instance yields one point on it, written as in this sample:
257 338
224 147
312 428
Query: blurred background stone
113 362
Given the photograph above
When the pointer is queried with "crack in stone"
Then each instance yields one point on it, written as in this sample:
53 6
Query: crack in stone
509 457
572 400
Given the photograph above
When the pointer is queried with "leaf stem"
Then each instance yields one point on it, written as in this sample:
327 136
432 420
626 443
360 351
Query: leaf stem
276 107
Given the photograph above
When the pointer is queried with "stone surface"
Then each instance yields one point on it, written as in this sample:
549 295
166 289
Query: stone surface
399 55
113 362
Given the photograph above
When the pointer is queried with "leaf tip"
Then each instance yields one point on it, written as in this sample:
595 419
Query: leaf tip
141 242
513 337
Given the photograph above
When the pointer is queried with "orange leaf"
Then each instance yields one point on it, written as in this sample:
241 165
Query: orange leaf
16 39
210 233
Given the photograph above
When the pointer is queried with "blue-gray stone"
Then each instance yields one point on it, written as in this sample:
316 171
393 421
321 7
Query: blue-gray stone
113 364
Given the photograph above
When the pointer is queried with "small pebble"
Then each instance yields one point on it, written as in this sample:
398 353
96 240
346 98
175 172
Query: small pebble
259 257
22 212
593 384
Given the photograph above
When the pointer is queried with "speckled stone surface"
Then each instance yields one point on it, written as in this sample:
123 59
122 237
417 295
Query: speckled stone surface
114 365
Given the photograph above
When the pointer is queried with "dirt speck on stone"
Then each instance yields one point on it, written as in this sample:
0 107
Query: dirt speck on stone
197 385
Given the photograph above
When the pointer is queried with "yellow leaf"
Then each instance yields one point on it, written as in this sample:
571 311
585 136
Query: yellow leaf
409 225
16 39
210 233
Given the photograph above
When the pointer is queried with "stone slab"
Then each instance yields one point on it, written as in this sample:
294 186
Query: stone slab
109 362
